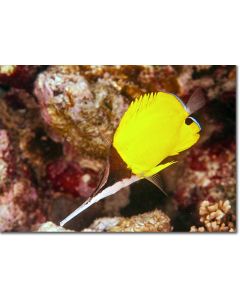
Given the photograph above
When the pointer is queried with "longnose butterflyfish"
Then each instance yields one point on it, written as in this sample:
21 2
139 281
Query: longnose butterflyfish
154 129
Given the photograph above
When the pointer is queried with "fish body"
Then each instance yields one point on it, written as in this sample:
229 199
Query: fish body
153 129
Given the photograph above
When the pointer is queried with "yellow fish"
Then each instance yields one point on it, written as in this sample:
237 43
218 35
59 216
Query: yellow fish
155 126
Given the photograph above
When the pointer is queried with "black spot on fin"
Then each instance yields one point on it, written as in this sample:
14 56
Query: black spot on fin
196 101
157 181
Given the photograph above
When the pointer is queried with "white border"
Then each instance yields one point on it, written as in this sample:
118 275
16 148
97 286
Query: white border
149 266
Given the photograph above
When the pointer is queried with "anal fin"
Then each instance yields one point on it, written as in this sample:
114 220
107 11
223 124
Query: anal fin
157 181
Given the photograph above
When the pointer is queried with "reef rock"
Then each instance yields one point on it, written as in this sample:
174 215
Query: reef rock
18 76
51 227
155 221
82 114
70 177
19 207
216 217
209 174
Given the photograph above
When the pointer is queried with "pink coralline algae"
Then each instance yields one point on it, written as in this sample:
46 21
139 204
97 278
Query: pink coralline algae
19 76
210 174
71 178
214 79
5 157
19 207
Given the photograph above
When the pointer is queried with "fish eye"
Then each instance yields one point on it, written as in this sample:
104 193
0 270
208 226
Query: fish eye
188 121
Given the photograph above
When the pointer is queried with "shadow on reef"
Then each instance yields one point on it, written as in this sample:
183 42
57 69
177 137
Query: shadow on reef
144 197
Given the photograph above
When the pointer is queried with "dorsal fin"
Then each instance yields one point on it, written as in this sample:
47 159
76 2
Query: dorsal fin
196 101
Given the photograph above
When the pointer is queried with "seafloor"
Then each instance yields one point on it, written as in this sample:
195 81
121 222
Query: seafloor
55 122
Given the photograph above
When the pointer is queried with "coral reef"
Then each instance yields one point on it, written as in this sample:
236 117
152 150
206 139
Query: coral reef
19 207
5 157
210 173
214 79
19 76
71 178
19 203
82 114
51 227
155 221
56 126
215 217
